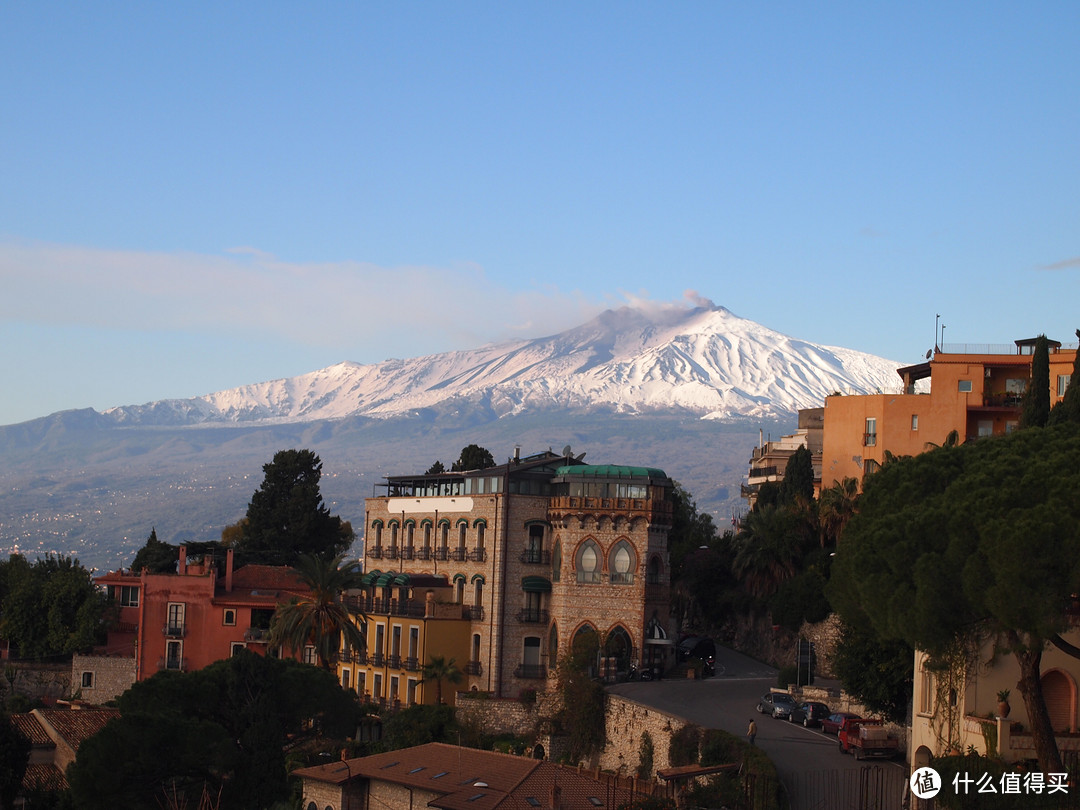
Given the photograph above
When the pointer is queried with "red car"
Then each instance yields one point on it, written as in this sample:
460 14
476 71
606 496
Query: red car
832 723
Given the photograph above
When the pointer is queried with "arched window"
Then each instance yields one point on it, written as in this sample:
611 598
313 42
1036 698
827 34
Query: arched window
556 562
618 645
463 528
588 562
652 576
481 529
553 646
444 534
410 531
622 563
393 534
459 588
377 526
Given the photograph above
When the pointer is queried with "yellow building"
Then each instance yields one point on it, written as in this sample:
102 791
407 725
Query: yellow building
502 568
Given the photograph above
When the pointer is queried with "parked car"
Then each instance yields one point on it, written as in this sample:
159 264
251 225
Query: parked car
777 704
832 723
810 713
700 647
867 738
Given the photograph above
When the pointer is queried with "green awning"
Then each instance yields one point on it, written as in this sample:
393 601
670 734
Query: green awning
385 579
536 584
401 579
370 577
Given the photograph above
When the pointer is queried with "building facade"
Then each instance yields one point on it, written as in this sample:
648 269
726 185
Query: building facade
189 619
973 392
502 568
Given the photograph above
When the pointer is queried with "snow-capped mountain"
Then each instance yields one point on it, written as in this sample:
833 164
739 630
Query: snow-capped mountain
705 361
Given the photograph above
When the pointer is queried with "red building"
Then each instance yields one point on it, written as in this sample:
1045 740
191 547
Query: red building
194 617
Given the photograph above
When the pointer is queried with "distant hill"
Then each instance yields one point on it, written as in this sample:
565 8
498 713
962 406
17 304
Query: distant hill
684 390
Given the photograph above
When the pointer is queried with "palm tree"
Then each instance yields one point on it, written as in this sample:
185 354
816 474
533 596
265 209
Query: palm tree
438 669
768 549
320 618
837 505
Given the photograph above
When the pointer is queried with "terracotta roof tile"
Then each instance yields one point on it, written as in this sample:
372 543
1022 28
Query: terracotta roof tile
76 725
43 776
31 729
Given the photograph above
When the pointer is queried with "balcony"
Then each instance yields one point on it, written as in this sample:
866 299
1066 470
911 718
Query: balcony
375 552
393 661
412 664
257 634
478 555
474 613
590 577
441 553
869 439
423 553
474 668
392 553
458 554
532 616
622 578
407 553
377 659
536 556
174 630
531 671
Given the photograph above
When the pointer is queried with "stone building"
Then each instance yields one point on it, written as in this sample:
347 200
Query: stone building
502 568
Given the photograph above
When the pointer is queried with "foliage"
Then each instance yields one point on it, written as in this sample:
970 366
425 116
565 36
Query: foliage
1036 405
685 745
1068 408
768 549
418 725
435 468
690 530
473 457
220 728
836 506
798 481
979 538
878 673
753 784
439 669
321 618
287 517
14 756
582 699
646 753
155 556
799 600
49 608
648 803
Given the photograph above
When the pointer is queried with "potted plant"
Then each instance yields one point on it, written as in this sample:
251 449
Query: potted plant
1003 706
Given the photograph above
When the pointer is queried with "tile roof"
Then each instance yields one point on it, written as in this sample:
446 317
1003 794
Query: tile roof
76 725
471 779
43 776
31 729
266 578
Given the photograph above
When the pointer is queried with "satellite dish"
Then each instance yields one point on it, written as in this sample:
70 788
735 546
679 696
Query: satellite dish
566 450
929 352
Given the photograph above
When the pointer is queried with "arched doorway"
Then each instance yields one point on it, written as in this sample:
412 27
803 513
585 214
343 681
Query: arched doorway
1059 692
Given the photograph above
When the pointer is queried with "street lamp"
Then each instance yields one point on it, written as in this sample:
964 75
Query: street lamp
348 771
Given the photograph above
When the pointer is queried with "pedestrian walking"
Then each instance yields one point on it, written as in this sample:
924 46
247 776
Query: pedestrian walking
751 732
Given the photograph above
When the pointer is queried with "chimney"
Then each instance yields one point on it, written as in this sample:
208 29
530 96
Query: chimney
556 797
228 570
517 453
181 566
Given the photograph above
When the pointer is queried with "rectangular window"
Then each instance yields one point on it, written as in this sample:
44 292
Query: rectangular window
964 386
1063 384
236 646
309 655
414 641
228 617
377 689
926 698
346 678
870 437
175 626
986 427
88 680
126 595
410 692
914 421
174 655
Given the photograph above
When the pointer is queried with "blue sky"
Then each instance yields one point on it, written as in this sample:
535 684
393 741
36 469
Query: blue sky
196 196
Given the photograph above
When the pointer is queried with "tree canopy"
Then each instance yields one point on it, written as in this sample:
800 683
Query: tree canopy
287 517
50 607
155 556
798 481
220 728
981 538
1036 403
473 457
1068 409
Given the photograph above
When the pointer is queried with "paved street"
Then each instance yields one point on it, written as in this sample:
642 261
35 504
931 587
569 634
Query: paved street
727 702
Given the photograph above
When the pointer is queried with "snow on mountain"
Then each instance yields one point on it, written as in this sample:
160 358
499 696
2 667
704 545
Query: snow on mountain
706 361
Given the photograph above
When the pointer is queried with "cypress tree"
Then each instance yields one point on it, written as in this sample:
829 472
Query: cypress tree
1036 407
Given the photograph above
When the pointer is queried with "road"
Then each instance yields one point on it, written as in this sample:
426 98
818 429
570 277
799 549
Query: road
727 701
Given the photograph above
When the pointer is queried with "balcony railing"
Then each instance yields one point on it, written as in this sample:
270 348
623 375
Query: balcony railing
377 659
407 553
440 553
532 616
474 613
412 664
423 553
257 634
536 556
393 661
474 668
478 555
531 671
622 578
375 552
458 554
174 630
869 439
592 577
392 553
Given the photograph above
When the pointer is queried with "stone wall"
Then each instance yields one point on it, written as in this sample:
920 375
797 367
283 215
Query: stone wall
98 679
37 681
496 716
626 725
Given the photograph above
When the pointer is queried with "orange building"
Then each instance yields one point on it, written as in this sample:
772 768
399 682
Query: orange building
974 392
192 618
